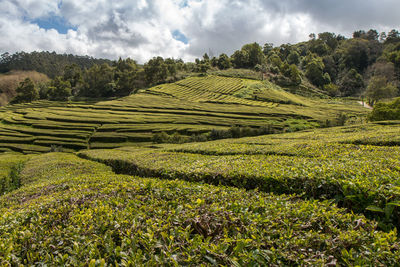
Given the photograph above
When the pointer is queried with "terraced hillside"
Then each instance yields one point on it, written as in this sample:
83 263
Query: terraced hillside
191 107
355 166
70 211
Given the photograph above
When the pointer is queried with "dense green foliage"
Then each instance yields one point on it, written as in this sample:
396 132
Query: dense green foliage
358 166
51 64
71 211
26 92
10 167
335 65
386 111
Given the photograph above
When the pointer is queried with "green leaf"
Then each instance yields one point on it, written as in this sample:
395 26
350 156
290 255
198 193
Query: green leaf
375 209
394 204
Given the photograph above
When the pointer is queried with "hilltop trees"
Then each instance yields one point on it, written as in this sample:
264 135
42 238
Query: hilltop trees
49 63
330 62
248 57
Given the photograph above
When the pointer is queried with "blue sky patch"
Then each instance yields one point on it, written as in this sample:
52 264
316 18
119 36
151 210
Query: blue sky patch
180 36
54 22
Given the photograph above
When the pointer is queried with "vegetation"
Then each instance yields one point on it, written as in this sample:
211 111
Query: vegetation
328 64
11 80
71 211
49 63
386 111
274 187
193 109
354 165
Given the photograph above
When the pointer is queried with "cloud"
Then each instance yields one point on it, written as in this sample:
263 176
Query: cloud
184 29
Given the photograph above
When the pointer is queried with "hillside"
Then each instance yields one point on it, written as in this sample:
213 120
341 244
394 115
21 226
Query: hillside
69 210
194 107
357 166
49 63
9 82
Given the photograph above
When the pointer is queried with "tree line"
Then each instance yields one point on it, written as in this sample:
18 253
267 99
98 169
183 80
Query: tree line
366 65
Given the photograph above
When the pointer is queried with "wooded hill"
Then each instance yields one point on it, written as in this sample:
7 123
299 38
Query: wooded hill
366 65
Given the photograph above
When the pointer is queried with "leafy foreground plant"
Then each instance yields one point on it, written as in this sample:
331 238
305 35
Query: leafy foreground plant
94 218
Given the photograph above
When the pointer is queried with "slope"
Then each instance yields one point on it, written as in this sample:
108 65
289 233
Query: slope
194 106
70 211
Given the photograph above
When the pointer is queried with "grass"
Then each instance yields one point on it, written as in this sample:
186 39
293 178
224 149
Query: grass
193 106
70 211
344 164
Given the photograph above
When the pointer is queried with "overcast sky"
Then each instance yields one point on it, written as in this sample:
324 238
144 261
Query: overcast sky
185 29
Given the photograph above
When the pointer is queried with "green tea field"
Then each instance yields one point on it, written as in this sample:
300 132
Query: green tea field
190 107
304 194
356 167
71 211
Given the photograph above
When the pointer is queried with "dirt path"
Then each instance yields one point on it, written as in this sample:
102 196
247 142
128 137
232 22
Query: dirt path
365 105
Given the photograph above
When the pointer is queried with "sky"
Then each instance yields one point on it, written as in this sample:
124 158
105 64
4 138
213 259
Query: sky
142 29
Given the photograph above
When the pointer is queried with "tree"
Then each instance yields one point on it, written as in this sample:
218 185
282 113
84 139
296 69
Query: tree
378 89
99 81
248 57
267 48
294 75
315 73
26 92
293 58
172 67
382 68
223 62
59 90
156 70
255 53
354 54
240 59
73 74
330 39
351 83
392 37
125 77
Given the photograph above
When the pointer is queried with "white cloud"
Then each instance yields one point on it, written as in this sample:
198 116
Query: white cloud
142 29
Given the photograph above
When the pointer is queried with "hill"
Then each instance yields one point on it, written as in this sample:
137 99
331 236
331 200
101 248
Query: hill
49 63
9 82
196 108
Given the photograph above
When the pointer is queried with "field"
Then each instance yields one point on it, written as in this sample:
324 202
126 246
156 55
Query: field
356 167
70 211
302 195
190 107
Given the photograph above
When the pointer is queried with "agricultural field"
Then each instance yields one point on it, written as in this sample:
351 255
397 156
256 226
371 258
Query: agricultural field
71 211
190 107
310 196
356 167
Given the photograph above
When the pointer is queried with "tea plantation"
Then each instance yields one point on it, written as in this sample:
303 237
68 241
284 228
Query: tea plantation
192 107
304 195
70 211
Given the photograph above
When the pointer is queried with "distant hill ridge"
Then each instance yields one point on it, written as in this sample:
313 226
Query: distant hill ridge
49 63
